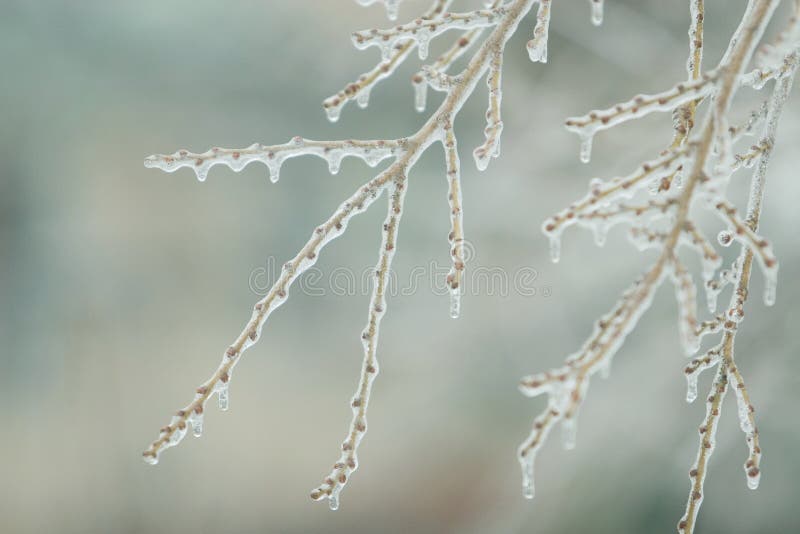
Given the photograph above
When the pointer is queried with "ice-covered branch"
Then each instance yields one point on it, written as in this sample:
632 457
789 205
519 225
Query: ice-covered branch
537 47
404 154
333 227
695 161
494 127
348 462
456 236
273 156
423 31
360 89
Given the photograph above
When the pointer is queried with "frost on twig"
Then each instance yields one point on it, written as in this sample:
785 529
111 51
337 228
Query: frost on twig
692 172
501 20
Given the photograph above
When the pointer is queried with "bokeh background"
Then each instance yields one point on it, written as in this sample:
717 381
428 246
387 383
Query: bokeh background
121 286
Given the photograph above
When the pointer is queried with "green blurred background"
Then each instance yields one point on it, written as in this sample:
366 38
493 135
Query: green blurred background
121 286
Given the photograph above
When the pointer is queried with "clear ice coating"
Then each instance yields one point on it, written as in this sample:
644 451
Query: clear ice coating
372 152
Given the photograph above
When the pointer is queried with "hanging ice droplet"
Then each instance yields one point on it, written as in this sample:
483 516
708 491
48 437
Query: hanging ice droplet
455 303
555 248
586 148
481 158
222 397
420 96
197 425
770 288
363 98
333 501
753 480
392 9
691 387
333 112
201 172
423 39
334 163
528 490
711 298
150 459
600 233
274 171
569 433
597 12
537 50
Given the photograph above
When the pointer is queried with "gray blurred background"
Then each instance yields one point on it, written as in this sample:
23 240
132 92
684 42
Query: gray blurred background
121 286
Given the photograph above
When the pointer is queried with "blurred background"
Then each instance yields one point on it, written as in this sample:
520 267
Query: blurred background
121 286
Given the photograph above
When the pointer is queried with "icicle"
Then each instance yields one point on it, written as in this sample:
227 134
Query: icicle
770 286
586 147
363 98
711 296
420 95
455 303
334 162
333 501
753 480
201 171
333 112
537 50
423 40
274 171
528 490
392 9
150 459
600 229
597 12
555 247
197 424
222 394
691 387
569 433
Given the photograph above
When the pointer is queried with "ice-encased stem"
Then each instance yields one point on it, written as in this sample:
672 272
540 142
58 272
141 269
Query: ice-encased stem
348 461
